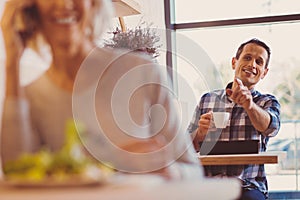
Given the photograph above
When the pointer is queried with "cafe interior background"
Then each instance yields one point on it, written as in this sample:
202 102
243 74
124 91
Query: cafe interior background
218 27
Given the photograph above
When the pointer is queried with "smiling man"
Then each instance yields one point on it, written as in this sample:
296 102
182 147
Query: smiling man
254 116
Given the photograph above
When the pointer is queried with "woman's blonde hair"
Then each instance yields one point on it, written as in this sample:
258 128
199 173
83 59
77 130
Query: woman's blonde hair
102 18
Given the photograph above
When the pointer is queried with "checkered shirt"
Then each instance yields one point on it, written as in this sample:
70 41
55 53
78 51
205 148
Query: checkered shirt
239 128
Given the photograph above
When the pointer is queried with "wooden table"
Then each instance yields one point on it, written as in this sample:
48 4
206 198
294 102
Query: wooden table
141 188
239 159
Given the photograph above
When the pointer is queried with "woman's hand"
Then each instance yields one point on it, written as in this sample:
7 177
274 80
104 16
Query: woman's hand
11 25
170 172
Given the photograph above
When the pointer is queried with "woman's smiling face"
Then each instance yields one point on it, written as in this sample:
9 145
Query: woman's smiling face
250 67
65 21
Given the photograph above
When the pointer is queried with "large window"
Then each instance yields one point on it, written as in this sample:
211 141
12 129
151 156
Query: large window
187 11
218 27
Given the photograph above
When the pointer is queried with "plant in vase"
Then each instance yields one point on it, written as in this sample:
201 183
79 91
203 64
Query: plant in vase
142 38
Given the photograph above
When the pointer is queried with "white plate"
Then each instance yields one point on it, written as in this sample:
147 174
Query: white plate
74 181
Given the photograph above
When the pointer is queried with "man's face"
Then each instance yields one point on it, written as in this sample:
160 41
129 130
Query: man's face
251 65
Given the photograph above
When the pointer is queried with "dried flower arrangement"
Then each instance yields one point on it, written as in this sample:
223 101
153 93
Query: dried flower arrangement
141 38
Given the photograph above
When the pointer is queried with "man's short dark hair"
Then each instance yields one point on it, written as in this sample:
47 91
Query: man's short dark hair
259 43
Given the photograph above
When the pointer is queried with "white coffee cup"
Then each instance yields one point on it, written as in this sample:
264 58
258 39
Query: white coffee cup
221 119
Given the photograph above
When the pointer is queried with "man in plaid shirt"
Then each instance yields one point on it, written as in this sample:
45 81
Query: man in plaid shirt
253 116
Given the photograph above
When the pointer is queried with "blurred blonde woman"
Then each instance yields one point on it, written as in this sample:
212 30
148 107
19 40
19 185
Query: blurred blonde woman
146 139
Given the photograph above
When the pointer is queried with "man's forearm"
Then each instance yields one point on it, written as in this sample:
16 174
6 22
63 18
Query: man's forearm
260 118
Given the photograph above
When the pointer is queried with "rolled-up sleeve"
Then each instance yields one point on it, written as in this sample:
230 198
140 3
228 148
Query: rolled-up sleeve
272 106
